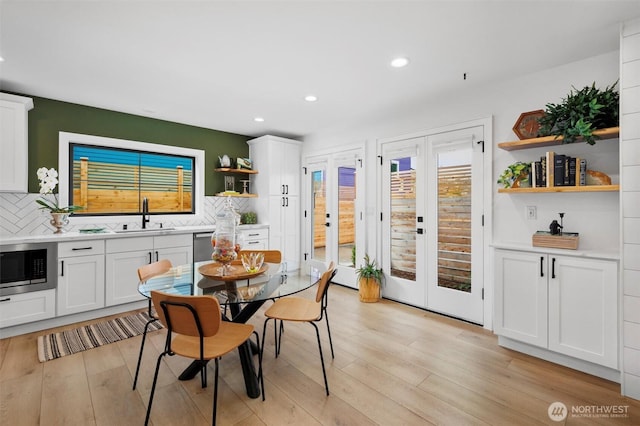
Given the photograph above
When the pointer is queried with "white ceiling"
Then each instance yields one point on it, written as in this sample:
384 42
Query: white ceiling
219 64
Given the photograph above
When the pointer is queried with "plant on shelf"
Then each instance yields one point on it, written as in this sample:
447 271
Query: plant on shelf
515 175
370 278
580 113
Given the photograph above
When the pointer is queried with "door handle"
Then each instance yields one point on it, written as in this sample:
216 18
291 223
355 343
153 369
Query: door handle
420 231
327 224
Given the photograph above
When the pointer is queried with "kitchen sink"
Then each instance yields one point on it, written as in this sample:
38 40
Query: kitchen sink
140 231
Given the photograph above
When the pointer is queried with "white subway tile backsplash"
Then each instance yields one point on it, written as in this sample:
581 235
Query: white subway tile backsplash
631 280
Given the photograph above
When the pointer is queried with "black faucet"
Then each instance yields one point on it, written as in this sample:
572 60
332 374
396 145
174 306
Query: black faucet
145 212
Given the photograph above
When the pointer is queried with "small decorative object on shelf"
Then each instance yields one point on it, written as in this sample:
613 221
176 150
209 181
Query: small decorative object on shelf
245 186
225 161
59 215
556 237
580 113
527 125
225 248
516 175
244 163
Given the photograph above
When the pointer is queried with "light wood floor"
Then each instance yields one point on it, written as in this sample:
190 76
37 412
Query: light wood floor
394 365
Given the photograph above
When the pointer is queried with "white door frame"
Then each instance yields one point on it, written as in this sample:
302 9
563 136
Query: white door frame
487 201
331 160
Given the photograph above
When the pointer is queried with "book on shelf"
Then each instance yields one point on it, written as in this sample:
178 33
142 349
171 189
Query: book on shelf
558 170
582 173
550 168
571 168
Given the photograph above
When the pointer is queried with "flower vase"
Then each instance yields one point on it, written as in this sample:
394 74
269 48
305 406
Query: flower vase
59 221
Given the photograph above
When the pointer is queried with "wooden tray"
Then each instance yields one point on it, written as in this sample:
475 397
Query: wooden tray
568 240
212 271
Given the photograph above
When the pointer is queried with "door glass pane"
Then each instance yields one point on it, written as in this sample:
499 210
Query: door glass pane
319 230
454 219
346 216
403 218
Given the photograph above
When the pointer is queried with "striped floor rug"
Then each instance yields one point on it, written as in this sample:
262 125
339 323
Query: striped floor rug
56 345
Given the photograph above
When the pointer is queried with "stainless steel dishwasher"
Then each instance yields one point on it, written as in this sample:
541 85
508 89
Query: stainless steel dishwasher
202 247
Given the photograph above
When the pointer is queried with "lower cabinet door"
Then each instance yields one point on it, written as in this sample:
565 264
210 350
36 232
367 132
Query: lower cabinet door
583 312
122 276
521 296
80 284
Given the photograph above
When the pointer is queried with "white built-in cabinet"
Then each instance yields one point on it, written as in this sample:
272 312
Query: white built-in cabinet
566 304
80 276
27 307
278 189
125 255
14 142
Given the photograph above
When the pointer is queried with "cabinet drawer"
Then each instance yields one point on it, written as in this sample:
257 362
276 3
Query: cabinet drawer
254 234
80 248
27 307
167 241
119 245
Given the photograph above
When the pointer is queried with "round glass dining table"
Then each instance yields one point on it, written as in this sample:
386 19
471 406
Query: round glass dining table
243 296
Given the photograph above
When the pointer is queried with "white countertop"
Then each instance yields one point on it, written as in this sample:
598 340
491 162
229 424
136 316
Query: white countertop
108 234
595 254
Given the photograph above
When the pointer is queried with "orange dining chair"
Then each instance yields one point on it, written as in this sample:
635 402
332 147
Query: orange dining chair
144 273
195 330
299 309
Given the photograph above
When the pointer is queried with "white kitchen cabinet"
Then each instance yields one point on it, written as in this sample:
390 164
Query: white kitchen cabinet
27 307
278 189
14 111
253 239
566 304
126 255
80 276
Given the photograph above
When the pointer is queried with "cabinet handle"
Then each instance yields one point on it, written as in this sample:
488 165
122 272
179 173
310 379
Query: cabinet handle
553 267
5 300
253 242
150 258
287 186
282 189
542 266
287 205
282 201
62 268
253 235
157 258
81 248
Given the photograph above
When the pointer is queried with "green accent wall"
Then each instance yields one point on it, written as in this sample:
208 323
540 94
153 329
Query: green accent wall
48 117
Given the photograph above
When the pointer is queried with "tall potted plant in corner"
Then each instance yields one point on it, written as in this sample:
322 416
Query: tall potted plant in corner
369 280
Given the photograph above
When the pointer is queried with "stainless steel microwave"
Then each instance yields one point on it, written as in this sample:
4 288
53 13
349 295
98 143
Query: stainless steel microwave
28 267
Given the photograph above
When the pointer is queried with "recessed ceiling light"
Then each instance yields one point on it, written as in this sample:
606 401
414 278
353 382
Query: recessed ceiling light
258 119
399 62
310 98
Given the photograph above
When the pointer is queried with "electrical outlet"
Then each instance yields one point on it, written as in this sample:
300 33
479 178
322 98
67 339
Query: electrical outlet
531 213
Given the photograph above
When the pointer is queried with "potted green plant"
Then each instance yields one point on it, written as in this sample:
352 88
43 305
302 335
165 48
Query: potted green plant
370 278
516 175
580 113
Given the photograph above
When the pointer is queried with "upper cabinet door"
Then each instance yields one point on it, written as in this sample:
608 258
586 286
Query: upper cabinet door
14 142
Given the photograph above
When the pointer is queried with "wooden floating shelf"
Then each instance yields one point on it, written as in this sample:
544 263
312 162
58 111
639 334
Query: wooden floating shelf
222 194
604 134
583 188
241 171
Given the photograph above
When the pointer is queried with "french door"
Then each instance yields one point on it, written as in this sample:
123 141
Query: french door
334 213
432 222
